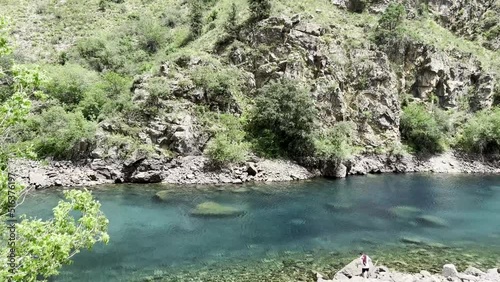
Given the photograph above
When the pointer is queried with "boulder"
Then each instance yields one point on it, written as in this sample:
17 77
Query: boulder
146 177
212 209
38 179
449 270
163 196
473 271
349 271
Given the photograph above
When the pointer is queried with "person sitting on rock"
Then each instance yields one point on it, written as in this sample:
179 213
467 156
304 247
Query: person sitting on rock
366 261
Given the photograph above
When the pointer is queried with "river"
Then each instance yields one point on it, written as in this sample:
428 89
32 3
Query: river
151 237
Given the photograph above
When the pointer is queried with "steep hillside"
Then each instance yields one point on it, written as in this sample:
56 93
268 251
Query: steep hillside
138 88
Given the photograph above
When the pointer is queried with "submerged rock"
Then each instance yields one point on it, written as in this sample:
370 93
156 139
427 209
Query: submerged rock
404 211
431 221
412 240
213 209
338 206
163 195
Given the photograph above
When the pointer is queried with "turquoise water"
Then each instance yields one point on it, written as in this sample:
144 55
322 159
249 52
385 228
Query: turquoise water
148 235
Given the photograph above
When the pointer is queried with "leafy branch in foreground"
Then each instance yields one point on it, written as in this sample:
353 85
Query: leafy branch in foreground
35 249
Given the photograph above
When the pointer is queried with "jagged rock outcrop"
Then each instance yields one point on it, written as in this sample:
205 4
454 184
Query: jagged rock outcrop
475 20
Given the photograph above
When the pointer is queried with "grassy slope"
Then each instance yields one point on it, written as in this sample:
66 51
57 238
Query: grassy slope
44 28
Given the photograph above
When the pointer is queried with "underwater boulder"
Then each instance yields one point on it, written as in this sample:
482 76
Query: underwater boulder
163 196
213 209
431 221
338 206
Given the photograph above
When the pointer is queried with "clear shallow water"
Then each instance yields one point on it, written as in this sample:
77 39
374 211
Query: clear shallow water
148 235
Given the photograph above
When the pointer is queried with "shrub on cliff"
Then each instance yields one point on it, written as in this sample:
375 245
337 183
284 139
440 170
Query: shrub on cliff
336 143
420 129
228 145
69 83
481 134
55 132
389 22
283 120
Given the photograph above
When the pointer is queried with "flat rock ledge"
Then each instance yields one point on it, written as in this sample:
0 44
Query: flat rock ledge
352 272
198 170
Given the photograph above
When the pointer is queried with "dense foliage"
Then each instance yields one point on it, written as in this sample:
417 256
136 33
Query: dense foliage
420 129
481 134
228 145
283 120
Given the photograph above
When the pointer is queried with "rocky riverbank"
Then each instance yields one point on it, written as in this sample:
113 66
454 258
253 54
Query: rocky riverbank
382 273
198 170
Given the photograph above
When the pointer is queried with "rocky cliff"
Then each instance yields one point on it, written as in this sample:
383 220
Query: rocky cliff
350 77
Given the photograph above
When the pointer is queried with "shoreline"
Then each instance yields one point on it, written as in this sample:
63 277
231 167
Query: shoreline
323 266
197 170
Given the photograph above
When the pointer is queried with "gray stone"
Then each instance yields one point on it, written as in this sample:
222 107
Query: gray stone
146 177
473 271
449 270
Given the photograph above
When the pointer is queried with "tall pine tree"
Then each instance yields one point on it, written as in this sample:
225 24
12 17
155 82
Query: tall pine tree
231 25
196 18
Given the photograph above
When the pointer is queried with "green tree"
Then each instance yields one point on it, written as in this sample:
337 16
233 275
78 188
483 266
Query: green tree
231 25
196 18
392 17
259 9
283 120
41 247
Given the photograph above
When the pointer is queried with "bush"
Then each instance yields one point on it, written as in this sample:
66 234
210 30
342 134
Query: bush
420 129
481 134
219 87
228 145
69 83
283 119
392 17
110 95
96 53
151 35
55 132
337 142
259 9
